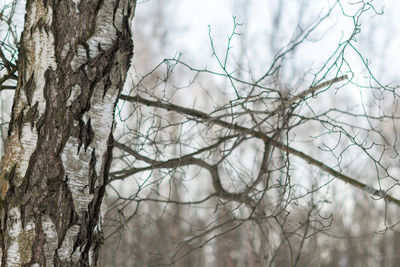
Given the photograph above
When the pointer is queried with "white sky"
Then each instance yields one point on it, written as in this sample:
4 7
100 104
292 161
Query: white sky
188 22
187 32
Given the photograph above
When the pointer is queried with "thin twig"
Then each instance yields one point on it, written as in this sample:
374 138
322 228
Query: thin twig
258 134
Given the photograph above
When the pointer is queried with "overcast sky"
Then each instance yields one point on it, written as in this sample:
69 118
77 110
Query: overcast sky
188 22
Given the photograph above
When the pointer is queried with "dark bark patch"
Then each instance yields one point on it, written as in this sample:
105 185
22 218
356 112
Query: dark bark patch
107 85
31 115
86 134
81 133
30 87
42 25
116 5
93 174
9 176
19 122
89 135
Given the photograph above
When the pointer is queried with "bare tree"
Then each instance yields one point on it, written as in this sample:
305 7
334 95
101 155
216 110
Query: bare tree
224 165
262 152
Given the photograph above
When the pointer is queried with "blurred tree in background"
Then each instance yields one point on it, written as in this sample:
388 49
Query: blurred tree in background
273 146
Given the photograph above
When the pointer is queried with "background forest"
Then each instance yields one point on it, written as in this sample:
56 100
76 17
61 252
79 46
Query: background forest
251 133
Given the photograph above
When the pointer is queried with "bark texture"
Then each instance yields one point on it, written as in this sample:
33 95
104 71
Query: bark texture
73 60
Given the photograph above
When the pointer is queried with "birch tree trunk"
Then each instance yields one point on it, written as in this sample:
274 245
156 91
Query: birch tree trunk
73 60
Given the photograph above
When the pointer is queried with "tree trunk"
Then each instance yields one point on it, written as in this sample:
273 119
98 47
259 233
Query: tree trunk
73 60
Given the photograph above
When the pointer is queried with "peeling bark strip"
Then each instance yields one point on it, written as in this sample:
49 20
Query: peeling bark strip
73 60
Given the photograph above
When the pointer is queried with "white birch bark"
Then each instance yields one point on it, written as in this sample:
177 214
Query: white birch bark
73 61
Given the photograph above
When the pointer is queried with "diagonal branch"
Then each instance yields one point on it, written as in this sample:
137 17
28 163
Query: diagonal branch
310 91
10 66
260 135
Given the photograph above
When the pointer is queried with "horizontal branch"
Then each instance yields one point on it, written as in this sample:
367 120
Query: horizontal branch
185 161
244 130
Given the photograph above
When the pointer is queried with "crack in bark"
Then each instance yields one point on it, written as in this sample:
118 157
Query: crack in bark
53 177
